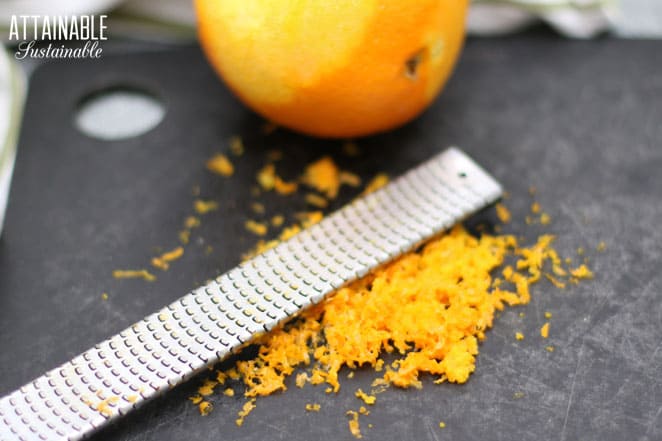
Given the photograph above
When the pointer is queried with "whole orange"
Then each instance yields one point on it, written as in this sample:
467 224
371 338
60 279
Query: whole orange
334 68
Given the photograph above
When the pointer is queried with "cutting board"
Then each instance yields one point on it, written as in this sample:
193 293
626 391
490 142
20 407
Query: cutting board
579 120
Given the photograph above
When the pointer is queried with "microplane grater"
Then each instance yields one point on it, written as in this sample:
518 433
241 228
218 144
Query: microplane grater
166 348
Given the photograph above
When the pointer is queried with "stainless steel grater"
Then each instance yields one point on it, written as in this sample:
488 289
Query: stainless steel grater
169 346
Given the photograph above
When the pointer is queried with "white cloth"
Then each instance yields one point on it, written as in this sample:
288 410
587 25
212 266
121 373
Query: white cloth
576 19
12 91
572 18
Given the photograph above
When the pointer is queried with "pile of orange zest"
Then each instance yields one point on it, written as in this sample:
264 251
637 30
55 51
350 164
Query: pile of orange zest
354 427
380 180
430 308
313 407
549 348
245 410
229 392
256 227
324 176
134 274
220 164
316 200
519 336
163 261
203 207
442 425
236 146
503 213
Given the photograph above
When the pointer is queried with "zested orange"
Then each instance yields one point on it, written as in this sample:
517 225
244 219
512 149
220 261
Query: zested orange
340 68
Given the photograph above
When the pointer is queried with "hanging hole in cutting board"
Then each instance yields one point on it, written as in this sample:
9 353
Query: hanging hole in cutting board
117 113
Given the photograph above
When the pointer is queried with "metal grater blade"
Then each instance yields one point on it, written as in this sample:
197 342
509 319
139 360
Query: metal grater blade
164 349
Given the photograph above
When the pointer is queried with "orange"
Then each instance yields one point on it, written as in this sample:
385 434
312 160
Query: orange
340 68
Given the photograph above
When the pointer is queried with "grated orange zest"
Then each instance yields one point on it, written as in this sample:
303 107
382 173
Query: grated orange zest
283 187
324 176
163 261
245 410
221 165
203 207
503 213
380 180
354 427
134 274
255 227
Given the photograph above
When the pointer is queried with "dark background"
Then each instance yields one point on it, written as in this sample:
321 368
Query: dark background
580 121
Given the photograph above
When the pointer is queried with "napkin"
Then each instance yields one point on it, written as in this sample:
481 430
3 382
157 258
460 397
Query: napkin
12 91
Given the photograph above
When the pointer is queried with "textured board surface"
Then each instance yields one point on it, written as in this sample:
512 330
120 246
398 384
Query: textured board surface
578 120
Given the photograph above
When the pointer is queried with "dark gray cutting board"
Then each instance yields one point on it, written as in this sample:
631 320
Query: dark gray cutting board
582 121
